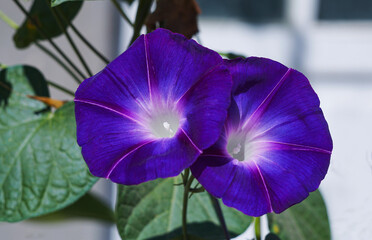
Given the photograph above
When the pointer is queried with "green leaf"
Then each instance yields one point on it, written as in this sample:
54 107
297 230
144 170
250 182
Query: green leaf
42 169
152 210
231 55
35 80
305 221
88 206
271 236
58 2
41 14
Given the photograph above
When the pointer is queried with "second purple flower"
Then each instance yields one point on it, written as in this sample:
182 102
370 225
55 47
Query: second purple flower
276 145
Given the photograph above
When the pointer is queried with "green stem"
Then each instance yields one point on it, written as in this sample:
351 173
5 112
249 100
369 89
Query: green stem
122 13
143 10
184 208
84 40
57 16
58 60
186 176
15 26
8 21
49 39
257 228
59 87
218 210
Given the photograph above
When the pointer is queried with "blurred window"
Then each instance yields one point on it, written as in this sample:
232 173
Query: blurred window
345 10
262 11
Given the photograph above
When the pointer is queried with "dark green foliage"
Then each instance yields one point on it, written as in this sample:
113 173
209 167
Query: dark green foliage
143 11
271 236
42 16
152 210
88 206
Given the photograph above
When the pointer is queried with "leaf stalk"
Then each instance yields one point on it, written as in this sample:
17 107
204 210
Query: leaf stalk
185 201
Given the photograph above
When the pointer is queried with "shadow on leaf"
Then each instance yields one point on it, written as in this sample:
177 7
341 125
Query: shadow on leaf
38 85
196 231
5 89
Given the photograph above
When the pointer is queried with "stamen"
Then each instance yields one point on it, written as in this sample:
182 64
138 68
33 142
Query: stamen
164 124
241 148
167 126
237 149
236 146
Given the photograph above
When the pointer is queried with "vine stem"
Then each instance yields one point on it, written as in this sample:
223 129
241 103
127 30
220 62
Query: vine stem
59 87
84 40
57 16
218 210
122 13
15 26
7 20
257 228
185 201
58 60
143 10
19 5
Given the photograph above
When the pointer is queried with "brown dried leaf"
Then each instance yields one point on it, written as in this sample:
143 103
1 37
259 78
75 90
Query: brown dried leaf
179 16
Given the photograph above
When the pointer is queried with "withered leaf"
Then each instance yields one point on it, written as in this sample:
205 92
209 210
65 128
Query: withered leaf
179 16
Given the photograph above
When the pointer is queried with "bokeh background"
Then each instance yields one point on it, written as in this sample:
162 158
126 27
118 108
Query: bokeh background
330 41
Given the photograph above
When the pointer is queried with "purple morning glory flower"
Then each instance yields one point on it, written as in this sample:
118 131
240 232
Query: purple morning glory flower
276 145
151 111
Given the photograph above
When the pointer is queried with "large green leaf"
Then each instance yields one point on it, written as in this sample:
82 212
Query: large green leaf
34 78
41 167
152 210
305 221
42 15
88 206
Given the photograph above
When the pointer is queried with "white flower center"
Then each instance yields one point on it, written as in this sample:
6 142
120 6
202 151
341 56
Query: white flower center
236 147
240 147
164 125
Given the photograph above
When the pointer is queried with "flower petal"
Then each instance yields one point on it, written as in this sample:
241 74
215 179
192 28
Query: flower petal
253 80
172 58
286 143
123 83
292 170
205 107
102 140
284 188
247 191
208 166
155 159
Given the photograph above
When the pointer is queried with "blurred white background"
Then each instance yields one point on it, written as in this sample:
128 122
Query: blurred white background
328 40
